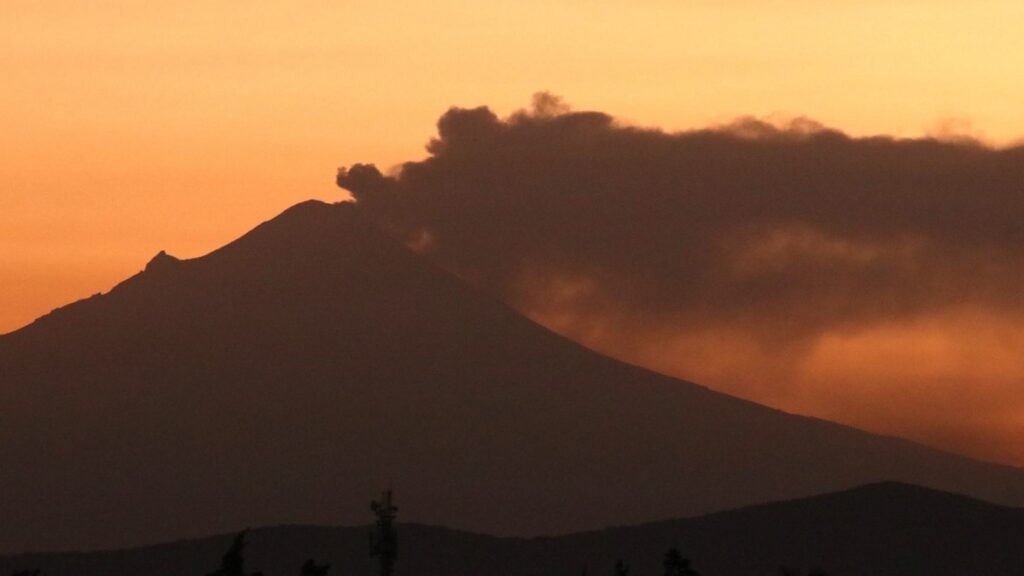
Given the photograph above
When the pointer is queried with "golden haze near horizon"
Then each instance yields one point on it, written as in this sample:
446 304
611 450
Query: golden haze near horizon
131 127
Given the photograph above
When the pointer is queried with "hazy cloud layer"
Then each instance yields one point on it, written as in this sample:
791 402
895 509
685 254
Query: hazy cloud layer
742 254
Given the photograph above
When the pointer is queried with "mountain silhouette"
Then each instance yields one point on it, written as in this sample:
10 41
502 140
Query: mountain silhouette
291 374
885 529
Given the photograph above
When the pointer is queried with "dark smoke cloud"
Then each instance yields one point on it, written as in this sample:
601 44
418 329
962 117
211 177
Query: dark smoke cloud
795 229
750 256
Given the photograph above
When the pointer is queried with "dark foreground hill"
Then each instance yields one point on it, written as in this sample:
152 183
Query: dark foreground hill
297 370
878 530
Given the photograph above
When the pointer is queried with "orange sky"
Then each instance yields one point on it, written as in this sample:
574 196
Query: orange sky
131 127
952 380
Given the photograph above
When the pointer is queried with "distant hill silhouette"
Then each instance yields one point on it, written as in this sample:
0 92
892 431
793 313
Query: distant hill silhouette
884 529
290 374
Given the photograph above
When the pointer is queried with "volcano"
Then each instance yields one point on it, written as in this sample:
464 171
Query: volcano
292 374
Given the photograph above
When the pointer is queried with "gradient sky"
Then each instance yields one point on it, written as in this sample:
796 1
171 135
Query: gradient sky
132 127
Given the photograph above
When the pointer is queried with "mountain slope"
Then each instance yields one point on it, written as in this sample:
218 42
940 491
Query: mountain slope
883 529
297 370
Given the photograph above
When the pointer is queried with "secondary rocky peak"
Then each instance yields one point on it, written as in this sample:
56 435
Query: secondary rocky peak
161 261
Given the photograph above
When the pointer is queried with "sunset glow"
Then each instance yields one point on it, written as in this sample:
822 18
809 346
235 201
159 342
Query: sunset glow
130 128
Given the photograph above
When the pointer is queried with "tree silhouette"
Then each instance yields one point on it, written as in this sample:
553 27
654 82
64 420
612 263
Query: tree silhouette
621 568
233 561
384 540
676 565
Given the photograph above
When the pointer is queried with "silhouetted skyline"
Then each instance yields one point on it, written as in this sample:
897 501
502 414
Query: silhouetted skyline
891 529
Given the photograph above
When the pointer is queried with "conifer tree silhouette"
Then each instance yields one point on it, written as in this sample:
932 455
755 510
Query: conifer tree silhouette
384 540
233 561
676 565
